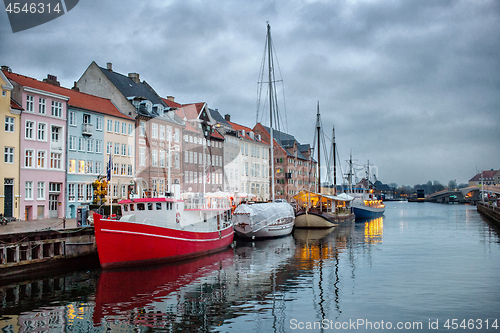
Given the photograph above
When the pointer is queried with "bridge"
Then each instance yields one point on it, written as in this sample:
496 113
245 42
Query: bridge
467 194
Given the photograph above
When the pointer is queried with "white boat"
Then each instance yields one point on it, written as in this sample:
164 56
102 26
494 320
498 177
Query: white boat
269 219
263 220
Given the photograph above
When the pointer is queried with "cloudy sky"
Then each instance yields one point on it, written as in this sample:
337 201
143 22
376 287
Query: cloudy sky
412 86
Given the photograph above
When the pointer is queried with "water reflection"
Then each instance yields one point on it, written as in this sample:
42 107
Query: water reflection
45 304
168 296
334 274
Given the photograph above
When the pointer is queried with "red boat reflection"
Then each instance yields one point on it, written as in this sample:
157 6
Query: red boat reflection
127 292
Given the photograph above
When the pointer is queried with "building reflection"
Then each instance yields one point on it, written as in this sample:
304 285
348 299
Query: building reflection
47 304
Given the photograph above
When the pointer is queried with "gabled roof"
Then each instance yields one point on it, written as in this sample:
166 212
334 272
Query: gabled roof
285 140
76 99
238 127
218 118
487 174
129 88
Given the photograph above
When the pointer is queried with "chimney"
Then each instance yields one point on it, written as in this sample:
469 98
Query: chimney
52 79
171 98
75 88
109 66
134 77
6 69
227 117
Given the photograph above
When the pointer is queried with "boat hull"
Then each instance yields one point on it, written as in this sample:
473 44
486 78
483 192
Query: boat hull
367 212
313 219
121 243
271 231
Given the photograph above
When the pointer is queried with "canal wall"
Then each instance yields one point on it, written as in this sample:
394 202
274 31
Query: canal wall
25 253
489 211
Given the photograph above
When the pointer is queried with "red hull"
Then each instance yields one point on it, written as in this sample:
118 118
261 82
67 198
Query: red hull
127 244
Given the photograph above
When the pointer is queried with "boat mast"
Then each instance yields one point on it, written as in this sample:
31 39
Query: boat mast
334 164
269 56
318 127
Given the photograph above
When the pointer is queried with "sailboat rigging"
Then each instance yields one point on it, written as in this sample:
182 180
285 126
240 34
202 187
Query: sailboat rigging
275 218
318 210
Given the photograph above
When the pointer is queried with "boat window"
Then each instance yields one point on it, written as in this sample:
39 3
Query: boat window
169 206
150 206
140 206
132 207
125 208
158 206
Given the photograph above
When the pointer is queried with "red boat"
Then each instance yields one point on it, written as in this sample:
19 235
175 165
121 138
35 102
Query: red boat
153 230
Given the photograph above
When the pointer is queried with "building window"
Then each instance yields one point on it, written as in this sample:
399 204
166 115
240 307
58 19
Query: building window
90 145
98 146
109 147
124 128
81 166
142 128
89 192
129 170
72 166
87 119
55 161
28 190
115 169
123 170
72 118
117 127
142 156
55 133
154 131
41 132
117 149
40 191
71 192
29 103
109 125
130 129
90 167
130 152
41 159
28 161
81 191
98 167
29 130
154 157
9 124
9 155
162 159
81 144
72 142
124 149
162 132
56 109
176 135
98 124
41 105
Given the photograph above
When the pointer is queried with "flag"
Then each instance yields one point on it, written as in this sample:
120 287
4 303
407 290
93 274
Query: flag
110 167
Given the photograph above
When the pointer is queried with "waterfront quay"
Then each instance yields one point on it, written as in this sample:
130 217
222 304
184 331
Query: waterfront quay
421 267
29 247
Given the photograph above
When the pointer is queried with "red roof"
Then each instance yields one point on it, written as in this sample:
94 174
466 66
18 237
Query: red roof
76 98
238 127
15 105
172 104
487 174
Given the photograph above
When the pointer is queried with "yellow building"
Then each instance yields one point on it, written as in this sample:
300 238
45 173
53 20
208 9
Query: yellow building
9 171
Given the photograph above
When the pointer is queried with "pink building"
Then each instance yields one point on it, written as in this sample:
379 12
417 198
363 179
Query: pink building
42 147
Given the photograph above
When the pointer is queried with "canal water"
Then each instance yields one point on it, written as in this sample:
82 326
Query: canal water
422 267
